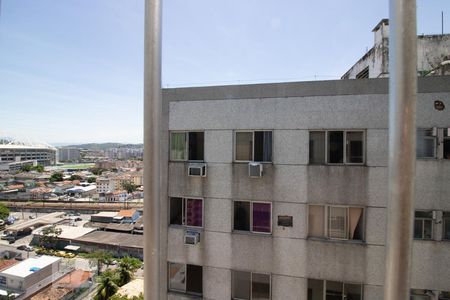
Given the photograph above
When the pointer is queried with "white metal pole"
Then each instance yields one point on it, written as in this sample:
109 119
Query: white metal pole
152 127
402 147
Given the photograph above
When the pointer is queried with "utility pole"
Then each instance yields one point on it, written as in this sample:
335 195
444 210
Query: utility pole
152 133
402 147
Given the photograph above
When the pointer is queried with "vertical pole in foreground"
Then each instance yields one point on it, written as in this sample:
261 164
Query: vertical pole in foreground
402 147
152 127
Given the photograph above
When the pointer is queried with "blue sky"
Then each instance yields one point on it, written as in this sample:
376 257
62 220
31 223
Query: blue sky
71 70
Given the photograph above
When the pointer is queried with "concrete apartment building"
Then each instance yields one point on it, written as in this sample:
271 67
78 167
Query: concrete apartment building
433 55
279 191
69 154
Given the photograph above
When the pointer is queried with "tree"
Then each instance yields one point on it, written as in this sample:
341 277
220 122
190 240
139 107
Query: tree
75 177
125 297
101 257
38 168
4 211
57 176
107 286
127 267
129 186
49 235
26 168
97 171
91 179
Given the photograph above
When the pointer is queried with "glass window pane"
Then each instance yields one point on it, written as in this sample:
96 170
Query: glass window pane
177 277
418 227
194 277
337 227
352 291
196 145
428 229
261 217
444 296
447 148
316 221
423 214
241 285
355 223
241 215
194 212
176 211
260 286
317 147
178 146
244 146
446 219
355 147
335 147
263 146
315 289
334 290
425 144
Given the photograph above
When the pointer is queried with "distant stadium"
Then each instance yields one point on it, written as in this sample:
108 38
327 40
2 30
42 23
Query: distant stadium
13 150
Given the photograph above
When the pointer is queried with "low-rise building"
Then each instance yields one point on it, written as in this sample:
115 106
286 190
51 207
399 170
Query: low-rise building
29 273
104 217
117 196
126 216
82 191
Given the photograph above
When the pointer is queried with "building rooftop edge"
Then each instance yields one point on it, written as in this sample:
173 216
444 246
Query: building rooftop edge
431 84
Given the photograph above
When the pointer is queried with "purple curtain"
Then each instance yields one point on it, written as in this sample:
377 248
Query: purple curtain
261 217
194 212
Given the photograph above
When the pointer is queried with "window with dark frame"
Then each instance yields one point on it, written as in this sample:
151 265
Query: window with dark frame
336 222
426 143
185 278
250 285
446 225
187 145
333 290
252 216
253 146
446 144
423 225
336 147
186 211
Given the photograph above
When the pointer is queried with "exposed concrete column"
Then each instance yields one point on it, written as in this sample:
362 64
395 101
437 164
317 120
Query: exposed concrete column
152 152
402 147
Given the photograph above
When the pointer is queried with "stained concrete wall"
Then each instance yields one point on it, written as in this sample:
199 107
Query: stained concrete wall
432 50
290 184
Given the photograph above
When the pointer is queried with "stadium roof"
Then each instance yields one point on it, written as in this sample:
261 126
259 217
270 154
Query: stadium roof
12 143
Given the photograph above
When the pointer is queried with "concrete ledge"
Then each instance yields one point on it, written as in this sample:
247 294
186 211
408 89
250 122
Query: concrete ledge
300 89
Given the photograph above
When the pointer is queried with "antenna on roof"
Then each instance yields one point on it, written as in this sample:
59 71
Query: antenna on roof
442 21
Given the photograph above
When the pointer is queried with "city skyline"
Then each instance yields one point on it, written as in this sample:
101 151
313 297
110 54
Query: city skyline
72 71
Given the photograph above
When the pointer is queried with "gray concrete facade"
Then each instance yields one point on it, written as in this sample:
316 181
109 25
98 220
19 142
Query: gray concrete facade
291 184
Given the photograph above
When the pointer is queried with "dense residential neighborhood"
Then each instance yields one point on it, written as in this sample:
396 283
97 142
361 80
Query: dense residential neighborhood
281 190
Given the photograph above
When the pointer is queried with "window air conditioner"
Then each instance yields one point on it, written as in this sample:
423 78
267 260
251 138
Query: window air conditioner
197 170
255 169
191 237
434 131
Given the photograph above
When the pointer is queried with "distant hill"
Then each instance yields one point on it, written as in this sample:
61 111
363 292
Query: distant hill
103 146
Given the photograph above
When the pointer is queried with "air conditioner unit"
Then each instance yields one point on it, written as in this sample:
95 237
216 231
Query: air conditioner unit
255 169
434 131
191 237
448 131
197 170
